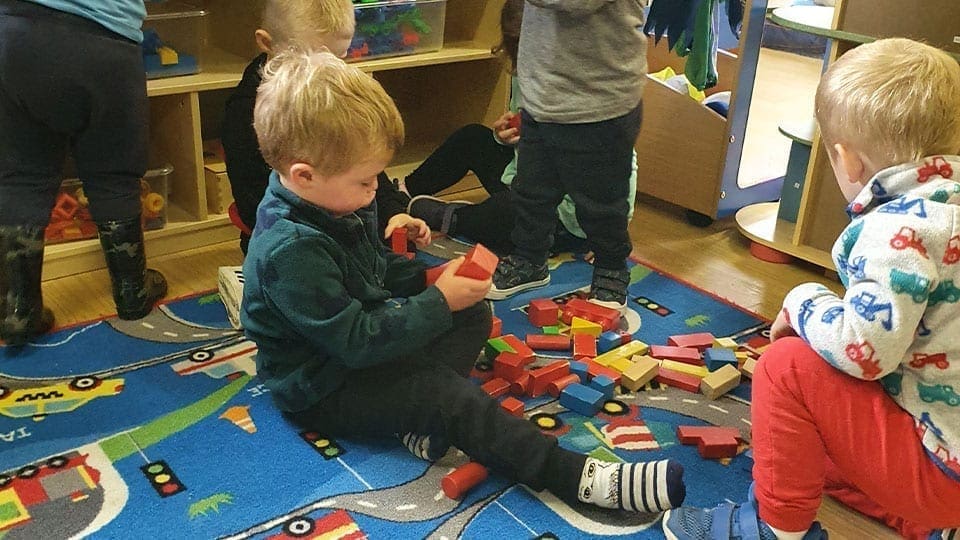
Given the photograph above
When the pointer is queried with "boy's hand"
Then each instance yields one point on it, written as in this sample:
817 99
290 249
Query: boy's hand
461 292
506 129
781 327
418 231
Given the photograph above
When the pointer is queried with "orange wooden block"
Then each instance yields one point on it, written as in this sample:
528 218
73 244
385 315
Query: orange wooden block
712 441
557 386
521 386
398 240
678 380
508 366
584 346
543 312
479 263
679 354
700 341
594 369
513 406
548 342
547 374
496 387
496 327
464 478
433 273
519 347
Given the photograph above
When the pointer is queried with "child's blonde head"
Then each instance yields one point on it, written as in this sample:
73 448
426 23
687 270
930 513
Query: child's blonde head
895 100
314 108
295 22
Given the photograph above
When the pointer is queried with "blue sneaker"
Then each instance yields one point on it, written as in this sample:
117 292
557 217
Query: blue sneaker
727 521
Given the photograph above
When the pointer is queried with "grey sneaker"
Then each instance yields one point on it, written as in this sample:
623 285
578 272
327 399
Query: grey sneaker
609 288
437 213
516 274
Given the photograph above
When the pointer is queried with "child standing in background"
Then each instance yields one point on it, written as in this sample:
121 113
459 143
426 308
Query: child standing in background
823 422
73 77
582 66
351 340
311 24
491 155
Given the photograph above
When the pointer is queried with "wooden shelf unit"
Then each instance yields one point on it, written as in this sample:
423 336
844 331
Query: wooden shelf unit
436 92
822 215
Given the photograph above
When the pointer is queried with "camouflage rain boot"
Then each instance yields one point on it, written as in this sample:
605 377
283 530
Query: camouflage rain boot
21 301
135 288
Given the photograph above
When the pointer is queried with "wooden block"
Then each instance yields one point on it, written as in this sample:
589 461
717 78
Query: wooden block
726 343
546 342
699 341
608 341
642 371
513 406
479 263
604 385
691 434
583 326
581 399
749 366
480 375
519 347
551 330
508 366
217 185
607 318
495 346
496 387
168 56
697 371
720 382
715 358
741 355
496 327
580 370
680 354
464 478
543 376
620 364
678 380
543 312
433 273
521 386
398 241
712 441
594 369
584 346
557 386
624 351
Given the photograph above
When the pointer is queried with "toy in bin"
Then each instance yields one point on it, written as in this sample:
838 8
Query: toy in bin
391 28
71 218
161 60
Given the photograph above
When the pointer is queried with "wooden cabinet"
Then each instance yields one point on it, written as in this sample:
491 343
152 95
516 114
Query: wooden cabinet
821 215
436 92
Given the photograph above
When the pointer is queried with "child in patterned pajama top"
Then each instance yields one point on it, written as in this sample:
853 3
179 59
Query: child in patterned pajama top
858 396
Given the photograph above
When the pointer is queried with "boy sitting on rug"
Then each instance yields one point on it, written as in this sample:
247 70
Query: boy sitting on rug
351 341
889 114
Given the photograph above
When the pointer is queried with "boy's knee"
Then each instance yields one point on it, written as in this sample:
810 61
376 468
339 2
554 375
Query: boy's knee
788 354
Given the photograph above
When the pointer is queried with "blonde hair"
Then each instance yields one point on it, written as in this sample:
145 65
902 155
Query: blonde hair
312 107
896 100
289 21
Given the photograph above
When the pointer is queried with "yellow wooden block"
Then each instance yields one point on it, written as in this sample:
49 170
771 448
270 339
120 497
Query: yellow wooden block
641 371
742 355
726 343
749 365
696 371
620 364
720 382
168 56
583 326
626 350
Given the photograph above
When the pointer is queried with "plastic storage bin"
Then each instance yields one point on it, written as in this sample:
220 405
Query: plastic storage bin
397 27
71 219
174 37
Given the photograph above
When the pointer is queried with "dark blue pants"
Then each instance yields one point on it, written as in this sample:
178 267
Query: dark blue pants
68 83
590 162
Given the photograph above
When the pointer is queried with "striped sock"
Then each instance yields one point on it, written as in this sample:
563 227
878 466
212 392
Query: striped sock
420 446
949 534
639 487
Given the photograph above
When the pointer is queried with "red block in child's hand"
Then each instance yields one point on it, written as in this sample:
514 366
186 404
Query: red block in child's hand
479 263
398 240
514 121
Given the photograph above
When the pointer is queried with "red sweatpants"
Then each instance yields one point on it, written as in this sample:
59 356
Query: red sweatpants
817 430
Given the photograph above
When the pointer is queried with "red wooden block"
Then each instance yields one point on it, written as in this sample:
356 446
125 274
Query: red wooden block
479 263
513 406
700 341
520 386
496 328
584 346
548 342
433 273
547 374
519 347
578 307
679 380
680 354
543 312
594 369
557 386
625 337
508 366
398 240
514 122
464 478
496 387
482 376
712 441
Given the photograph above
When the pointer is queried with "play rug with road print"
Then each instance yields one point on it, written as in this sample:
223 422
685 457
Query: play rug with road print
159 428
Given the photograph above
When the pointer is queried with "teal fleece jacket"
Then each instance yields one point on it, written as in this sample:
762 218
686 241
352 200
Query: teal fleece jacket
323 297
